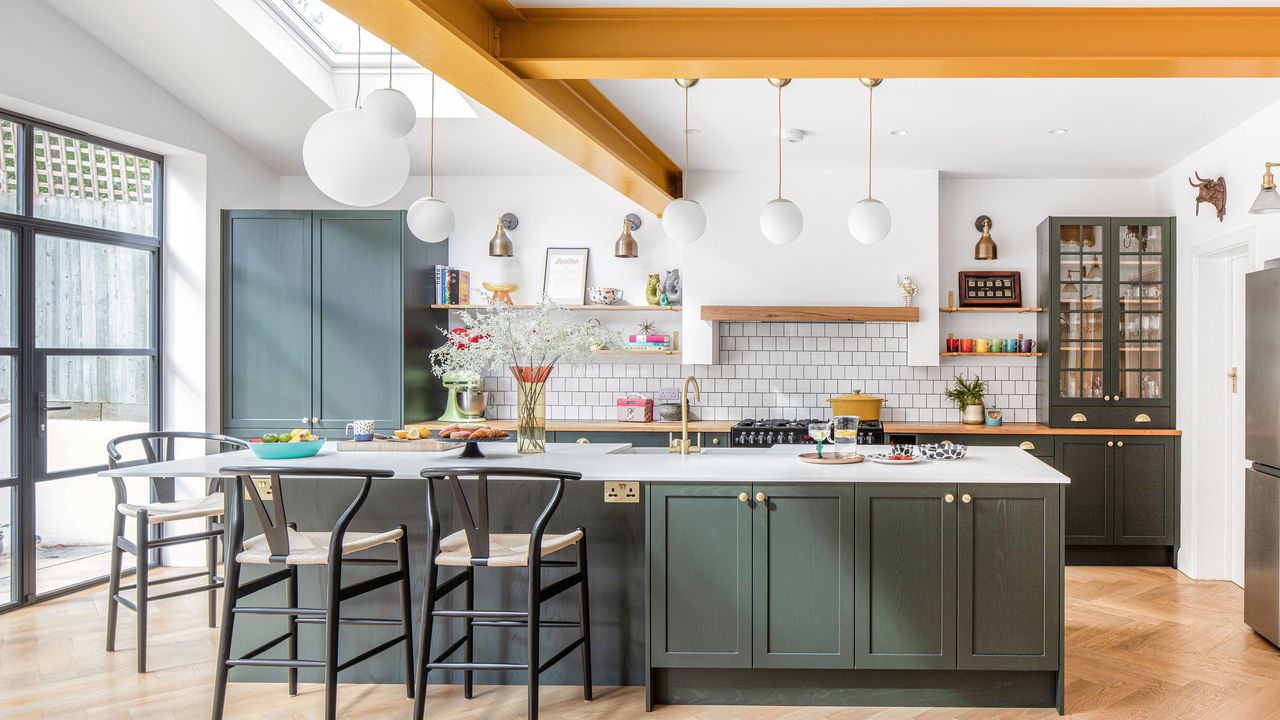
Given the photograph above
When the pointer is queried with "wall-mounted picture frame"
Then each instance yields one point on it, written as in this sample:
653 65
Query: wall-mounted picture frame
564 276
990 288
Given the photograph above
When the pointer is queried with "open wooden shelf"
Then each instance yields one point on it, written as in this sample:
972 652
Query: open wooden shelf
809 313
637 352
990 354
576 308
989 310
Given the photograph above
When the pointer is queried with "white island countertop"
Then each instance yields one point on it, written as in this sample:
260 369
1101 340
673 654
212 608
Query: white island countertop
622 462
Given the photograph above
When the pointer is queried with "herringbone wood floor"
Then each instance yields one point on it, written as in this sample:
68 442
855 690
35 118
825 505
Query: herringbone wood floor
1142 643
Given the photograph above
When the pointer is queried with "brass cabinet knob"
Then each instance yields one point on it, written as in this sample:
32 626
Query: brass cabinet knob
1079 417
1027 445
743 497
761 497
966 498
1120 443
949 498
946 442
305 421
315 419
1106 398
715 441
583 441
1110 444
1142 418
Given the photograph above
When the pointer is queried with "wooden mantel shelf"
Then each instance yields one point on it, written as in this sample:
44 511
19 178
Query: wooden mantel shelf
809 313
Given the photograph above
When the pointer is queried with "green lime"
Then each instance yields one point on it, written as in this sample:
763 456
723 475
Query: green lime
269 438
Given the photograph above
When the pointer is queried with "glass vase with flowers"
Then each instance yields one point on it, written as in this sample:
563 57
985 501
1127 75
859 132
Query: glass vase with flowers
529 342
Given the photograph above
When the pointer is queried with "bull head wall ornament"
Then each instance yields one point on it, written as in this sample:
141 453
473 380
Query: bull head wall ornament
1213 192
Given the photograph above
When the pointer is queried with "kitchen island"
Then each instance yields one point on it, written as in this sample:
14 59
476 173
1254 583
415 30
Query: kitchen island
749 577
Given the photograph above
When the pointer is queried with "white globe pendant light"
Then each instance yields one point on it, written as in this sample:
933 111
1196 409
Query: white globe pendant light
781 220
431 219
683 219
390 112
351 163
869 220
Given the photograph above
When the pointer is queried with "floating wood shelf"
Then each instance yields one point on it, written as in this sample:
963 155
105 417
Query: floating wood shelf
637 352
575 308
990 354
989 310
809 313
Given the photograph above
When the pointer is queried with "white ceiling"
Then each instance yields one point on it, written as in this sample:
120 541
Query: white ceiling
197 51
994 128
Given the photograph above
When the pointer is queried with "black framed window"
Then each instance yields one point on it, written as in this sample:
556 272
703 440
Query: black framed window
81 224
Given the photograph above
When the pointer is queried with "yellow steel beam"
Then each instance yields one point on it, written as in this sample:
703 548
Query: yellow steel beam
459 40
558 43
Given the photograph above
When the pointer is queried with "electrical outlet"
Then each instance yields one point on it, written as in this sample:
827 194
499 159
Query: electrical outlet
622 492
264 487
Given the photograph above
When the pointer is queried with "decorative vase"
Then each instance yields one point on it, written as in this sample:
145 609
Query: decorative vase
973 414
531 408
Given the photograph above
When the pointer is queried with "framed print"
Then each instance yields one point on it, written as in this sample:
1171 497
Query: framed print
990 288
564 279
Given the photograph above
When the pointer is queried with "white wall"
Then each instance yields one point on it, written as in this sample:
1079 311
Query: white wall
86 86
1238 156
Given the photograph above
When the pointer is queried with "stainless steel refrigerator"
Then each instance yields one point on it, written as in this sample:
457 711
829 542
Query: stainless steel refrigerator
1262 450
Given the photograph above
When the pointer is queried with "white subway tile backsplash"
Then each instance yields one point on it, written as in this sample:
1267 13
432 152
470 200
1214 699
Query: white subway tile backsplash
783 370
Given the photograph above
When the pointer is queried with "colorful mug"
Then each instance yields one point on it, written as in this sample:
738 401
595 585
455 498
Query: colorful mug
953 345
966 345
997 345
361 430
1027 345
1011 345
983 345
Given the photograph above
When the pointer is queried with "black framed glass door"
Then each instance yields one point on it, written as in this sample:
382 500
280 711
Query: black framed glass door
80 291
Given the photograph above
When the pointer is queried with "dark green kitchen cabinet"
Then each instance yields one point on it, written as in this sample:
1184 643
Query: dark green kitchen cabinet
803 576
700 575
1107 330
906 577
1123 491
326 320
1145 490
636 439
752 576
1008 603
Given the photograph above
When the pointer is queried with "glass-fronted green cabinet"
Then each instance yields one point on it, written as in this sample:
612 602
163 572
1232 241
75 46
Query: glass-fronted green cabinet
1107 331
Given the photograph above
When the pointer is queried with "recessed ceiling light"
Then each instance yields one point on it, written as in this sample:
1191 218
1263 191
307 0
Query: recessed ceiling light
1058 131
898 133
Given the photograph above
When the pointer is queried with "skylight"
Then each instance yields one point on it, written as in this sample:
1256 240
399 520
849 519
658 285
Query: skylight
333 35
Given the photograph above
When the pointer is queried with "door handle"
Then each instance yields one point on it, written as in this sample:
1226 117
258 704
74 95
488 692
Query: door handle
1027 445
1079 417
1235 378
48 408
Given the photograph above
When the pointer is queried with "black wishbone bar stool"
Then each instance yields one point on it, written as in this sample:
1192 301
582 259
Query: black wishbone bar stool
281 543
474 546
149 535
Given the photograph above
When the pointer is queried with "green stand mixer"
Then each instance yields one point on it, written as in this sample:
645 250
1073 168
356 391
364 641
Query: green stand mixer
466 401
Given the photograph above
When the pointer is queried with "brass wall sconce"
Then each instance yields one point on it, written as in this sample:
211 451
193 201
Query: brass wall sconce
500 244
986 247
1268 200
626 246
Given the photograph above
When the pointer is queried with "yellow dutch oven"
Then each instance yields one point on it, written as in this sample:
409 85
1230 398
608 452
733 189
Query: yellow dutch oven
866 407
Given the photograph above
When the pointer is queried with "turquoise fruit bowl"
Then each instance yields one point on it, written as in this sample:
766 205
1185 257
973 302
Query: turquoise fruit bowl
287 450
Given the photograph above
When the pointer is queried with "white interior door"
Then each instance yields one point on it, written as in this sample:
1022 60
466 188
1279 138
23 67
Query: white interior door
1237 266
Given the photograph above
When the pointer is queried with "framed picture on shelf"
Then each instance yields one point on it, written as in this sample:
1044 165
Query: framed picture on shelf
990 288
564 278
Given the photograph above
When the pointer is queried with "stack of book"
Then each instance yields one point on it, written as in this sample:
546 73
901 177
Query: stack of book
647 342
453 286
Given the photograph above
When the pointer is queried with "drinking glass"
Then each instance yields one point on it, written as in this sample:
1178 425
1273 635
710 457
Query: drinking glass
819 431
845 433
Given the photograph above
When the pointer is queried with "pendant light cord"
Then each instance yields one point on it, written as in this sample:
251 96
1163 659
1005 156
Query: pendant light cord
359 69
871 96
431 142
684 178
779 141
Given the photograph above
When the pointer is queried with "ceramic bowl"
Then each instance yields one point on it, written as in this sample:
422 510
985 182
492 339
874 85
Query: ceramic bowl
603 295
286 451
944 451
669 411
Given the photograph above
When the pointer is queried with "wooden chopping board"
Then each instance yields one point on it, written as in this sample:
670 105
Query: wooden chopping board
378 445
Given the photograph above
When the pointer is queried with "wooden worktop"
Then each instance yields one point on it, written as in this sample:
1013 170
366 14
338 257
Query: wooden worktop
722 426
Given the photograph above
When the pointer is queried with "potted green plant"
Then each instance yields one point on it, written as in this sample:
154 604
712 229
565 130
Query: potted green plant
967 395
